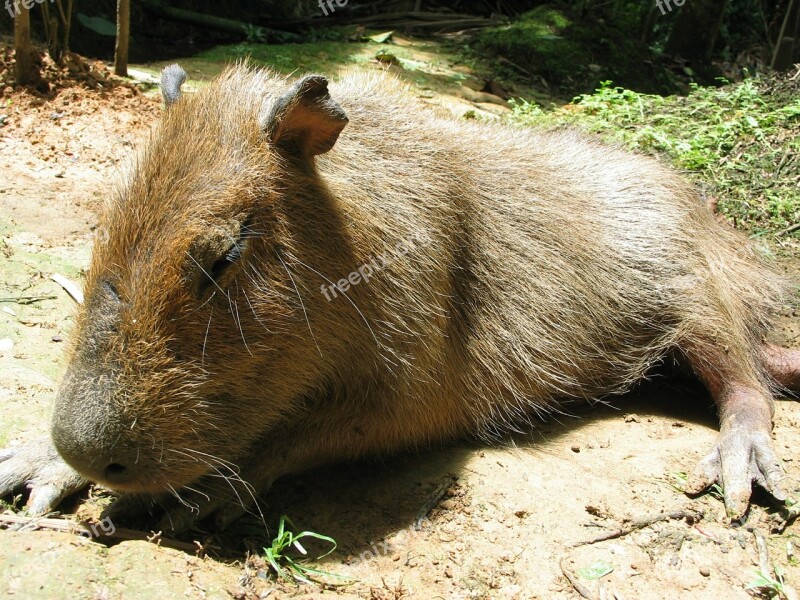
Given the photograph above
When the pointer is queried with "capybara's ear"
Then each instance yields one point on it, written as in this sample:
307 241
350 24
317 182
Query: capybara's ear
172 77
305 118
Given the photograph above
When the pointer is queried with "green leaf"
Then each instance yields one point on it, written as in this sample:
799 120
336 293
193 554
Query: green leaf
98 25
381 38
596 571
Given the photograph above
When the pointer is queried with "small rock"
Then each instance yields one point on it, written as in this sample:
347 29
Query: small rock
448 504
705 571
57 338
575 448
448 572
632 418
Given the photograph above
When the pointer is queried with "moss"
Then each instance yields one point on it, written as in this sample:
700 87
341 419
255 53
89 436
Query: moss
288 58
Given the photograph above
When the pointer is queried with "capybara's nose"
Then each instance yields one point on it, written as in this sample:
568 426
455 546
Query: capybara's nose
117 473
100 459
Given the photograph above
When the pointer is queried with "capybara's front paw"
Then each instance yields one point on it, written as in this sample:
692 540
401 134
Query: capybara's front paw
741 456
38 467
214 501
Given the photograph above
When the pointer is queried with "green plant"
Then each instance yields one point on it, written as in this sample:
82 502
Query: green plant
254 34
680 485
771 587
738 140
288 568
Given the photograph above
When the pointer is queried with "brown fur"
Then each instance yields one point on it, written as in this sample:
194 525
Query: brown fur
541 267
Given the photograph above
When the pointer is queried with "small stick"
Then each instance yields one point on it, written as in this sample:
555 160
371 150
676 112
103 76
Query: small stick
794 227
27 299
763 552
85 529
784 517
763 563
573 580
642 523
434 499
72 289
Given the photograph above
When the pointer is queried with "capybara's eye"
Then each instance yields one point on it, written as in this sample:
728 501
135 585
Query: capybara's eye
231 255
218 273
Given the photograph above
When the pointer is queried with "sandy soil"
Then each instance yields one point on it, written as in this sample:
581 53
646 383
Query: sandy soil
512 521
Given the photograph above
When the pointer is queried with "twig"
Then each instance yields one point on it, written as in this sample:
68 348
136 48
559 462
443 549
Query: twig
784 517
573 580
794 227
85 529
72 289
211 22
689 515
434 499
763 551
27 299
763 564
504 60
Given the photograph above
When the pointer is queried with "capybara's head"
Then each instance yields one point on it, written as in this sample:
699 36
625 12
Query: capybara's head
194 339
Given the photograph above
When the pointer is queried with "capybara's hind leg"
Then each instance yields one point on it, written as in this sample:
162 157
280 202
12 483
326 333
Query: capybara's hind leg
783 365
743 451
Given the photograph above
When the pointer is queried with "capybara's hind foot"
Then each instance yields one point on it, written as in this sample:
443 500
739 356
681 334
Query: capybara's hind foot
742 454
740 457
783 365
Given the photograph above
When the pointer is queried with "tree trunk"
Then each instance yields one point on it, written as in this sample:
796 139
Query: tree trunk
56 28
123 32
24 69
66 24
787 48
696 29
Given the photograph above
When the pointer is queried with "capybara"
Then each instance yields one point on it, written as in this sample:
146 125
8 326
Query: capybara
292 274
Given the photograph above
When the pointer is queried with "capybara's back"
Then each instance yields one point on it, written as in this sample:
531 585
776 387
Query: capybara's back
294 274
555 266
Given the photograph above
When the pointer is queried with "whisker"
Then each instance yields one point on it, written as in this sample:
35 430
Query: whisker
189 505
234 476
235 313
343 294
255 314
198 492
288 272
214 281
205 339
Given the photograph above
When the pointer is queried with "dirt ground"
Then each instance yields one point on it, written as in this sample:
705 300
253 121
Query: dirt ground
511 521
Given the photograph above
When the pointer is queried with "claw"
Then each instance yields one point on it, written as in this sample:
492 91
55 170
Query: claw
740 457
705 474
38 467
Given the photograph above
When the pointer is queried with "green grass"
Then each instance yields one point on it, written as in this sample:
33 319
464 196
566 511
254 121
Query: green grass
770 587
297 570
741 143
679 485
